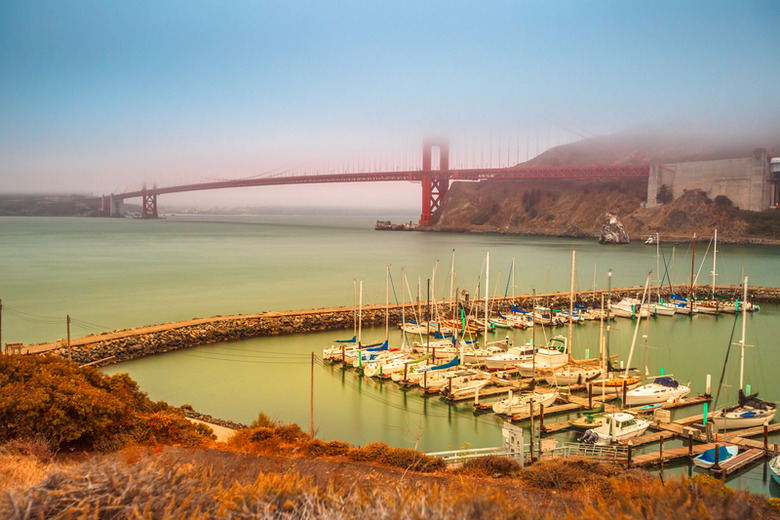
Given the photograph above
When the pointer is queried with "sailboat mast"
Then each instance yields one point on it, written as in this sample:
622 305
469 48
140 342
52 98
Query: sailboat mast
638 319
360 315
742 341
452 286
714 263
571 305
487 294
658 264
403 309
691 296
387 303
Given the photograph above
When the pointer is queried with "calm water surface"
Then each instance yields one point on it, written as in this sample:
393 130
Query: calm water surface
110 274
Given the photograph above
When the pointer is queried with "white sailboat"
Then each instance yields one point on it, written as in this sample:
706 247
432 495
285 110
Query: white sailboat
750 410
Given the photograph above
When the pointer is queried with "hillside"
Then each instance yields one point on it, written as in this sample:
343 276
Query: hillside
577 208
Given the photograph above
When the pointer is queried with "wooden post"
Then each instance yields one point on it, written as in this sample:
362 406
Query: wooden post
690 445
476 398
311 404
68 324
425 380
541 420
625 392
716 466
630 449
590 396
532 429
344 354
406 370
766 438
449 387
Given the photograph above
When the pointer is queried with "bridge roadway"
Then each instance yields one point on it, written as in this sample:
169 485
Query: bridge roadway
434 182
760 294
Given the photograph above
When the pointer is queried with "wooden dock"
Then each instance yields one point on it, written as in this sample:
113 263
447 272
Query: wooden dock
652 459
739 462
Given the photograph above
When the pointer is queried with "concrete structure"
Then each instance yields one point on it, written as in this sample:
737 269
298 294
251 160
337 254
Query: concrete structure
746 182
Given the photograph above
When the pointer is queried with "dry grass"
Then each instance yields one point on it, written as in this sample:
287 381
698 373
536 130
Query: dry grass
183 483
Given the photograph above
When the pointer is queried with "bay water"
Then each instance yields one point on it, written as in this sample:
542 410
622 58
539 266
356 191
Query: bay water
109 274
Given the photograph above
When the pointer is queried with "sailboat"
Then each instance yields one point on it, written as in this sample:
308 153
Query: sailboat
750 410
614 384
522 402
572 373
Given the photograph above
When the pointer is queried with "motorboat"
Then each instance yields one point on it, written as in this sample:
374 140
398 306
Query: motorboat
617 427
522 402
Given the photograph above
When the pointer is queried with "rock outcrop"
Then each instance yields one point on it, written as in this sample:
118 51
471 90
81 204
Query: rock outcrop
613 232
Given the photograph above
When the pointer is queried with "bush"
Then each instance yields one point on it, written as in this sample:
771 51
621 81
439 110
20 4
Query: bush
57 401
722 200
264 421
491 465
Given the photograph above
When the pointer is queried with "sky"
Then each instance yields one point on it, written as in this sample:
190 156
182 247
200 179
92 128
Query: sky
99 97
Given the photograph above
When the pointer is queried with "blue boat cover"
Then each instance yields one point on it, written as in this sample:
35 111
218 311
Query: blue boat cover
383 346
448 364
518 311
353 340
723 454
666 381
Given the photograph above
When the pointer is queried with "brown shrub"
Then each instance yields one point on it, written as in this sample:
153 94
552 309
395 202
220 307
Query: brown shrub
318 448
491 465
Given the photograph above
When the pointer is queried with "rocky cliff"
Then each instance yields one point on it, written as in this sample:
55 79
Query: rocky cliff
577 209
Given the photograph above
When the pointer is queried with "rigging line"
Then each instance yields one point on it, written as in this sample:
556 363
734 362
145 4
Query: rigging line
357 387
293 354
86 324
33 319
260 355
725 363
296 362
16 312
701 265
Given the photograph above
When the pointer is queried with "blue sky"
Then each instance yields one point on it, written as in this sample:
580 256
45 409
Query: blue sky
103 96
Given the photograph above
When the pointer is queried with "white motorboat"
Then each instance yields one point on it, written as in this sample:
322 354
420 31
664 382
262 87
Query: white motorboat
522 402
508 359
549 357
661 390
630 308
617 427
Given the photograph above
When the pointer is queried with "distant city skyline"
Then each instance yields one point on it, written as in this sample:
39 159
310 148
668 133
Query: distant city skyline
104 97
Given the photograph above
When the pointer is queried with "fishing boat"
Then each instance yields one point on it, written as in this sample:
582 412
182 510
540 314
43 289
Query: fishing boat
750 410
618 426
522 402
707 458
774 468
662 389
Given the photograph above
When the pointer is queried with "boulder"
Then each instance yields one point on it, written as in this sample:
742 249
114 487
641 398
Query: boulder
612 231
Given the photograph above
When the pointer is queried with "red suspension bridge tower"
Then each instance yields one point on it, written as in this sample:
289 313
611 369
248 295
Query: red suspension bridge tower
434 186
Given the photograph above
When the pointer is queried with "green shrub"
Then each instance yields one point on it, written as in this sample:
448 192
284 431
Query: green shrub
56 400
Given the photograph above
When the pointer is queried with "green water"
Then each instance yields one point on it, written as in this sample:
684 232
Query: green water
113 274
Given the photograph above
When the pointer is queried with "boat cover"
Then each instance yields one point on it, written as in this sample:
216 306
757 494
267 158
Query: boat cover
723 454
449 364
383 346
666 381
353 340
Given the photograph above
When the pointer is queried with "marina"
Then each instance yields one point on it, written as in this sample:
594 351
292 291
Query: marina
349 407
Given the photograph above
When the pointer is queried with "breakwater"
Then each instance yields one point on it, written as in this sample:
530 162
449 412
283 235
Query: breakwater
114 347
